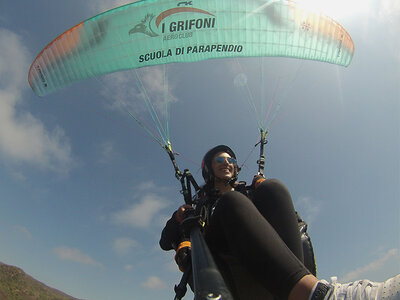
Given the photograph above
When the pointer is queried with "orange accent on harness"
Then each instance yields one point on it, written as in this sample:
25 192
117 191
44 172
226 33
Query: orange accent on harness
258 182
183 244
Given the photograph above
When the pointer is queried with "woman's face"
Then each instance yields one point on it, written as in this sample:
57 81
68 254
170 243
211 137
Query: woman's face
223 166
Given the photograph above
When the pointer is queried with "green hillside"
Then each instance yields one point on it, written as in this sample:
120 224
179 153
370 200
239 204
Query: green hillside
16 285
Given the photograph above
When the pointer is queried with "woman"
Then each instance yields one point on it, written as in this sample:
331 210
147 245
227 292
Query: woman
261 233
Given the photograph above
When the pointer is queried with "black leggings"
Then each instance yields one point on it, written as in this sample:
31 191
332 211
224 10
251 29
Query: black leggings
262 234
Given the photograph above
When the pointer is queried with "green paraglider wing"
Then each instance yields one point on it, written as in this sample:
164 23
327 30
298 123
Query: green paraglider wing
152 32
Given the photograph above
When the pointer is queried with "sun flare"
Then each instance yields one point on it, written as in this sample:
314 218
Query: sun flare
338 8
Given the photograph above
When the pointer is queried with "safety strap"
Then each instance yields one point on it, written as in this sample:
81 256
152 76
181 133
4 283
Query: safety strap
184 244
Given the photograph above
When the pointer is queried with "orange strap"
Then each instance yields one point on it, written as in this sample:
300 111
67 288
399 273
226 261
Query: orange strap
182 245
258 182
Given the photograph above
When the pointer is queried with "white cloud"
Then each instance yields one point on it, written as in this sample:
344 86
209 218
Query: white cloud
389 15
23 231
75 255
389 11
128 267
149 186
129 90
140 214
172 266
392 254
154 283
107 152
124 245
338 9
18 176
23 138
146 186
308 208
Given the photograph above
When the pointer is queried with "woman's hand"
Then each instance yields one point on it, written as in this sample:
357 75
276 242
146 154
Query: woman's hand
180 213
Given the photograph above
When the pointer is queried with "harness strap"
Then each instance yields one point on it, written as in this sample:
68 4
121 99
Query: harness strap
183 244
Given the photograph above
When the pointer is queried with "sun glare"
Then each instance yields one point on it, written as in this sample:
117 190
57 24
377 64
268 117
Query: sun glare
338 8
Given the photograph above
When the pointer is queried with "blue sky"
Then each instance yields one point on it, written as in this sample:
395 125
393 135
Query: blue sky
85 192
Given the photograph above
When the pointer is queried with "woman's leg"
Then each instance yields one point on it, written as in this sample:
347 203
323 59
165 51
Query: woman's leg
274 202
238 227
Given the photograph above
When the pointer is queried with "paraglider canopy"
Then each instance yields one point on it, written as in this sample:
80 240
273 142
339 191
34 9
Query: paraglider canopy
152 32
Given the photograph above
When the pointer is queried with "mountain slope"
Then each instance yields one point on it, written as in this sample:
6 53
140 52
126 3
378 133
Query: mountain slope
15 284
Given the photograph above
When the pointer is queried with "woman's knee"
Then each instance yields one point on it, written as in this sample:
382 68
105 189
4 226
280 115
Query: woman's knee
272 188
234 203
272 184
272 194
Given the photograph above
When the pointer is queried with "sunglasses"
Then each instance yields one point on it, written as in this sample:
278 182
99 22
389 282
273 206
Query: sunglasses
222 159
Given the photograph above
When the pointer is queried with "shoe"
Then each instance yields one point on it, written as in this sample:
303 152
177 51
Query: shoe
364 290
